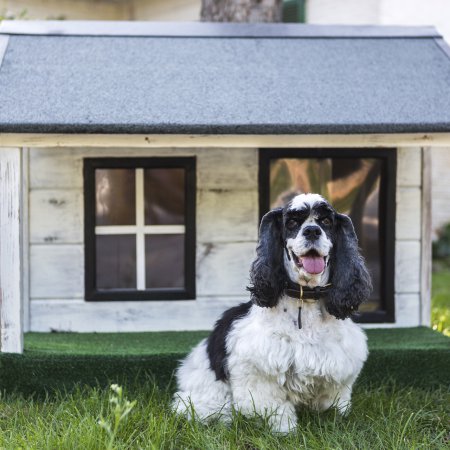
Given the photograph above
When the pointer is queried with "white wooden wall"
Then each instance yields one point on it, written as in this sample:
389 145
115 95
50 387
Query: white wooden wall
227 216
440 187
408 237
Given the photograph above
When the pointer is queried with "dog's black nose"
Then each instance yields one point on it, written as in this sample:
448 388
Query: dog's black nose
312 232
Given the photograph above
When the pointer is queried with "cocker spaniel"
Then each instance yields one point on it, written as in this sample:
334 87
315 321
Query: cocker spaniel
294 344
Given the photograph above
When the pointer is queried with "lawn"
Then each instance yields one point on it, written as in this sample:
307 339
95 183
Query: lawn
440 307
384 414
386 417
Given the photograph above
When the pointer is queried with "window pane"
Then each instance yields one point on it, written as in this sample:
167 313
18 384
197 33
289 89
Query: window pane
164 261
116 261
352 186
115 195
164 196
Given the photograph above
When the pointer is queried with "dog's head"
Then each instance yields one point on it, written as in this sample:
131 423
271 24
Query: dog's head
309 243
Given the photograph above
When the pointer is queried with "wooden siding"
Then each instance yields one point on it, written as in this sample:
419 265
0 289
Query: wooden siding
57 216
227 219
440 187
408 236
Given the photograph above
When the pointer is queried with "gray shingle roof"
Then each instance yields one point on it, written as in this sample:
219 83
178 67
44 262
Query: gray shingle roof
137 77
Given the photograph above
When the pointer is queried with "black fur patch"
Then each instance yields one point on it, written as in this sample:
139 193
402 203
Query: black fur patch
350 281
267 274
216 347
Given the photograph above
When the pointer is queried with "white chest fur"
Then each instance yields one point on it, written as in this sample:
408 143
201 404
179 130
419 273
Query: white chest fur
324 352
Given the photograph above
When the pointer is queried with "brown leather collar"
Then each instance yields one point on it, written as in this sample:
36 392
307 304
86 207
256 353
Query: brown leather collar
306 293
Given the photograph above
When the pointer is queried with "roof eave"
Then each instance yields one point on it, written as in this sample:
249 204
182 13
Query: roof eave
210 29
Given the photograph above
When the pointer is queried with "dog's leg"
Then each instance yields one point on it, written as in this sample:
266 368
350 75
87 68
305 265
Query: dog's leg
338 397
200 395
344 400
264 397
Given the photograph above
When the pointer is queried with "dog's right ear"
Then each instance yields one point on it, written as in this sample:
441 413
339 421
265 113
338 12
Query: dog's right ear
267 274
350 280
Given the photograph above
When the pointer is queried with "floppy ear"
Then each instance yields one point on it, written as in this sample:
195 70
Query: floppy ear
267 274
351 283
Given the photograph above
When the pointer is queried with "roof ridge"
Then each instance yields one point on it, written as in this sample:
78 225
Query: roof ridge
209 29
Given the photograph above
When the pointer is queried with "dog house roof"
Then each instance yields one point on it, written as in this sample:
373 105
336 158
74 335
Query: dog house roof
202 78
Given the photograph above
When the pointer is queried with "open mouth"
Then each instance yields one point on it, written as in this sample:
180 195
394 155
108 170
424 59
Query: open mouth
311 262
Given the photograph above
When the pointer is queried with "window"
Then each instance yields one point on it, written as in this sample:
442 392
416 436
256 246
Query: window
357 182
139 228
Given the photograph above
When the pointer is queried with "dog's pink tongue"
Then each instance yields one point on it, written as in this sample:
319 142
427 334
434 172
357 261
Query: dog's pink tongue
313 264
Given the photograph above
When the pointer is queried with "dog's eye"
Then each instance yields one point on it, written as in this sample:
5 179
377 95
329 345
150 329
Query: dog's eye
291 224
326 221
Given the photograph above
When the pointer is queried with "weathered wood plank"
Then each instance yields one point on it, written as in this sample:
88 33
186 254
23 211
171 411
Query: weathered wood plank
63 168
228 168
425 263
223 268
63 315
56 216
54 168
57 271
407 265
409 162
218 168
407 310
408 220
440 187
248 141
11 250
227 215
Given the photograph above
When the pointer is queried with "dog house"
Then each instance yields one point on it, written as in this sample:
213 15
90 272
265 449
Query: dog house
137 159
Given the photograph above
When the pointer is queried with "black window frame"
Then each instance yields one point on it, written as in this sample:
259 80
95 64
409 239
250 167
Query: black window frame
189 290
387 211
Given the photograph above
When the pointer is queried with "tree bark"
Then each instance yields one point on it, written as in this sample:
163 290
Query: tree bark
241 11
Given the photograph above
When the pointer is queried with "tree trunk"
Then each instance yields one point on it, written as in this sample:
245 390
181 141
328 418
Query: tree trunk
241 11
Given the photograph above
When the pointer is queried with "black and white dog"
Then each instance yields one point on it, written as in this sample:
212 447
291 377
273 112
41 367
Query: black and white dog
293 344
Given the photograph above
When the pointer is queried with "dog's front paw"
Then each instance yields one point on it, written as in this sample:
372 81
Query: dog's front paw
344 407
283 422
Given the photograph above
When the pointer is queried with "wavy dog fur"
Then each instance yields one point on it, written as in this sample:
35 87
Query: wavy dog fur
256 359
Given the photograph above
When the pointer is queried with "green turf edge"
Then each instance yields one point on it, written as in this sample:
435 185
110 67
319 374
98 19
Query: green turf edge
138 344
417 357
154 343
30 374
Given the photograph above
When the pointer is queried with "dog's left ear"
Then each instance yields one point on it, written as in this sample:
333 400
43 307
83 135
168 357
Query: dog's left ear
267 274
350 280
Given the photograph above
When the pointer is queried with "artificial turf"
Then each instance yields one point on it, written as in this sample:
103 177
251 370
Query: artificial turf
418 357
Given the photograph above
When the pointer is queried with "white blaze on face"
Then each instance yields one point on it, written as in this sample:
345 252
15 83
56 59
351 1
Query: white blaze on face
308 259
302 200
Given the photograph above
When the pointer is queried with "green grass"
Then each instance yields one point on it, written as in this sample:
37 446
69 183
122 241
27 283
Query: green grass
440 302
386 417
390 409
